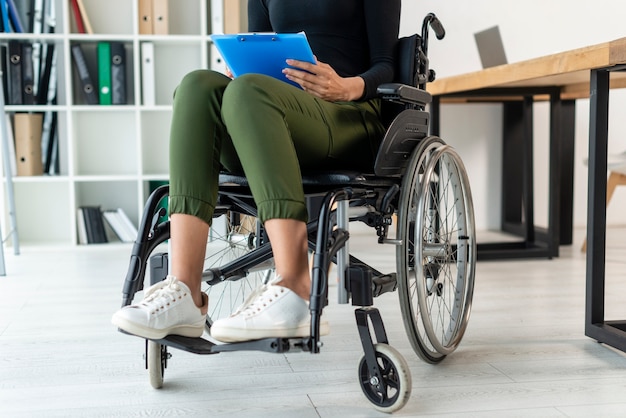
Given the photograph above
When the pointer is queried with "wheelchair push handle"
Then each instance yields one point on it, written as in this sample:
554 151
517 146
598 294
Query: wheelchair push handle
435 24
425 73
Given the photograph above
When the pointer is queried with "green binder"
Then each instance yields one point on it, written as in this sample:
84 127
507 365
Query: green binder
104 72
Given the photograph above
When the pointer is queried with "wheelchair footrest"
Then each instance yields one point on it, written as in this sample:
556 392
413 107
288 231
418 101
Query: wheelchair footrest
203 346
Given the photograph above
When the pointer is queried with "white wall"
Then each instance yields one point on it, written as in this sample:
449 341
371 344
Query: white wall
529 29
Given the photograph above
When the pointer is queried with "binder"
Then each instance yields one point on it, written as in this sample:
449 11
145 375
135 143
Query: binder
37 11
160 17
104 73
118 73
45 83
145 17
232 17
28 143
11 140
25 11
80 26
52 145
86 83
83 15
147 74
28 75
14 82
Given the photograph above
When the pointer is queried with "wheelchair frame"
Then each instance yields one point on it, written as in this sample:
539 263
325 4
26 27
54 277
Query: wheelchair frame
407 181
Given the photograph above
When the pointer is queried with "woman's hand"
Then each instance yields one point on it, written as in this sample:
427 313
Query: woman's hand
321 80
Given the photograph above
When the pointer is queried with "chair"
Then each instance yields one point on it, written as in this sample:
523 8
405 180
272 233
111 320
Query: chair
416 177
616 166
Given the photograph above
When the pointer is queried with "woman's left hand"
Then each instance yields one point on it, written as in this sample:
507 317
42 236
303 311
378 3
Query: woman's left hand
321 80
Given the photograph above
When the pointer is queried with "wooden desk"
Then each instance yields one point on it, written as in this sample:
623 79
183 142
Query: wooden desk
585 72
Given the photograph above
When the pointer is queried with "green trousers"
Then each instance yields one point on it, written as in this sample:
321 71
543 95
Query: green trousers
267 129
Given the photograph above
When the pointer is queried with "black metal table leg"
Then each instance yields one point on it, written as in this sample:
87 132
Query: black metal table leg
610 332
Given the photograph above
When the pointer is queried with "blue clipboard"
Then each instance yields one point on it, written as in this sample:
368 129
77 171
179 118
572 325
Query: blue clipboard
262 53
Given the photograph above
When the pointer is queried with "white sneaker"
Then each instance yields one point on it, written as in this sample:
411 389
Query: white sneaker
274 312
167 308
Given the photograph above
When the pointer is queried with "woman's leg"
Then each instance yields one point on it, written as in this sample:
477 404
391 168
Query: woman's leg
177 305
197 135
277 129
289 246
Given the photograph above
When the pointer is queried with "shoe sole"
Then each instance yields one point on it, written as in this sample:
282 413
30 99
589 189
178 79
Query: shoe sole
234 335
192 331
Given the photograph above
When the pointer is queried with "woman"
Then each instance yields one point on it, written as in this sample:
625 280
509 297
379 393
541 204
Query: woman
270 130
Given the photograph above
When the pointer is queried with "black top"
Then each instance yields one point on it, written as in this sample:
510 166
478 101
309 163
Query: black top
355 37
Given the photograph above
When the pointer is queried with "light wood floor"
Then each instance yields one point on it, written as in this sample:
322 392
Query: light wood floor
524 354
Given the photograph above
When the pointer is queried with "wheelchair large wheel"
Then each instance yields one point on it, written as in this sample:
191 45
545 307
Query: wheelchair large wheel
437 255
232 235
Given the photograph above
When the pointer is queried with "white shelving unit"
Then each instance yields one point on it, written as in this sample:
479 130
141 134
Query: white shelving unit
109 155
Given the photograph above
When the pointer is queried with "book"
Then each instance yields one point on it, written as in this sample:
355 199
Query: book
121 224
4 11
104 73
93 223
14 17
27 135
160 17
148 93
118 73
81 227
145 17
85 18
78 19
86 83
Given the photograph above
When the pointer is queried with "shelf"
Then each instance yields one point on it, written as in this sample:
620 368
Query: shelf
108 155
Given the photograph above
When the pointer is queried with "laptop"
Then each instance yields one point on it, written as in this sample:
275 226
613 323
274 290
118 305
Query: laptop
262 53
490 47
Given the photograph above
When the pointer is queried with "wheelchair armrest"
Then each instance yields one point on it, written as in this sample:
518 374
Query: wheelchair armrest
397 92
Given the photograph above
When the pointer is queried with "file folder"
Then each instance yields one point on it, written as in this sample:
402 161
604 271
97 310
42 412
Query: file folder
14 82
104 73
160 17
28 75
118 73
28 143
147 74
145 17
262 53
86 84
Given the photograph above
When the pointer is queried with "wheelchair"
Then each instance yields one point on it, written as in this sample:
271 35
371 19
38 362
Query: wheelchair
418 184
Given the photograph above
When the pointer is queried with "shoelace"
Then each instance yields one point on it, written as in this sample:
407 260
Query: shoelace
162 294
253 299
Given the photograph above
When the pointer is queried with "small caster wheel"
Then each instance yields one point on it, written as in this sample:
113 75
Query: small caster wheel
393 390
156 362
